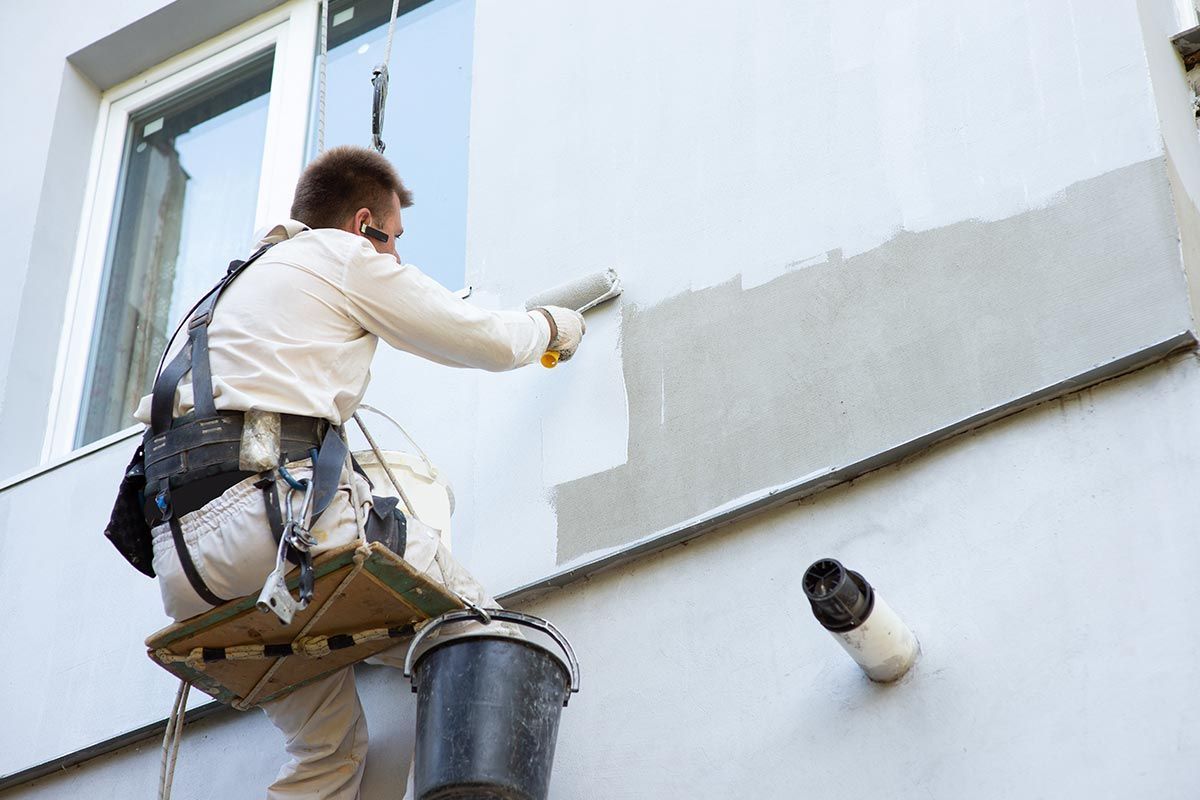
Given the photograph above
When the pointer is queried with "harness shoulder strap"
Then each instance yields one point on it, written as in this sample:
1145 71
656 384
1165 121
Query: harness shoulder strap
193 356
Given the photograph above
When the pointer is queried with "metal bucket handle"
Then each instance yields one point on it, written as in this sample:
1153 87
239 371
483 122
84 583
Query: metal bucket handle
527 620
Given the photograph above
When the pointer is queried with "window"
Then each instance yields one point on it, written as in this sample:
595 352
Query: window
189 160
186 201
194 156
427 116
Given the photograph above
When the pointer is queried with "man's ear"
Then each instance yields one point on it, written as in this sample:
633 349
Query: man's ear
361 217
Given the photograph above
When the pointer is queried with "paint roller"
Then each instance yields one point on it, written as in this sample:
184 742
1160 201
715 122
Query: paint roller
581 295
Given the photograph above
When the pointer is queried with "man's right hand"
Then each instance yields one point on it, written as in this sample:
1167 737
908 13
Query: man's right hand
571 328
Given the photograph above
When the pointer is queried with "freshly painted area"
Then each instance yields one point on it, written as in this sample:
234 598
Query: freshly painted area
686 145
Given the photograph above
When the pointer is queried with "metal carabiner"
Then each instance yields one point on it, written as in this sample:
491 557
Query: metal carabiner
296 530
296 535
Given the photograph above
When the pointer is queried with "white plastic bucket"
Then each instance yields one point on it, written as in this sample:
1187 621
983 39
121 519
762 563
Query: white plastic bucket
431 497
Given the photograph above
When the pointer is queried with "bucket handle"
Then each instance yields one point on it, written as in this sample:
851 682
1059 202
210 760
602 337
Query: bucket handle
517 617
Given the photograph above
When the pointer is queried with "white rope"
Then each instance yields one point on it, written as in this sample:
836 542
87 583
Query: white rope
171 741
433 471
386 467
324 57
387 50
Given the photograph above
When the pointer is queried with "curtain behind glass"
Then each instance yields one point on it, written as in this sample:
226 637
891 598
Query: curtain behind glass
184 209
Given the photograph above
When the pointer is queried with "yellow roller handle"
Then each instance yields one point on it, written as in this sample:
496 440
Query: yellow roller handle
550 359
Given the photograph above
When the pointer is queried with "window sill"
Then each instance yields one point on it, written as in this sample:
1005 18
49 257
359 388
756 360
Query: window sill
74 455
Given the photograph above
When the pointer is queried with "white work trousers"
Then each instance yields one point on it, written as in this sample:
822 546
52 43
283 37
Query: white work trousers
231 544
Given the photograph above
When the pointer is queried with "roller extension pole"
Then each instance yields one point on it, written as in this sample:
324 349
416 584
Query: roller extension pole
861 622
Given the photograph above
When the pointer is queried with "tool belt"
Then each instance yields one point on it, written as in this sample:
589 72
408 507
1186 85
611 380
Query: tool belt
208 452
184 463
197 459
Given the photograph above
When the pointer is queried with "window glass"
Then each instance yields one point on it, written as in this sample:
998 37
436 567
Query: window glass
427 115
184 208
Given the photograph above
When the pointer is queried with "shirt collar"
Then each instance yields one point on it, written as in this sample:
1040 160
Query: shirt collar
278 233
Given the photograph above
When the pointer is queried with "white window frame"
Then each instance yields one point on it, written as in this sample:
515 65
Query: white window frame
1188 13
292 30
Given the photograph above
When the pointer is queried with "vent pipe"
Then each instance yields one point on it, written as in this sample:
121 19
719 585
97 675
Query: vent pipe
861 622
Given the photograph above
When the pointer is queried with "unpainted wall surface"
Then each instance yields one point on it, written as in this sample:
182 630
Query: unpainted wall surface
1030 558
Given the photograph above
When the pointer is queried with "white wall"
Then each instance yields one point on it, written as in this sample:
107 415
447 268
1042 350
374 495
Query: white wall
76 617
842 225
1045 563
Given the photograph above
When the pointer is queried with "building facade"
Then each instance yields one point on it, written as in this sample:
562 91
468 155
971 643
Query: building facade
912 285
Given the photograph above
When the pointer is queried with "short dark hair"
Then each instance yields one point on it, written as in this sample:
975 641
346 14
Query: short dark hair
342 180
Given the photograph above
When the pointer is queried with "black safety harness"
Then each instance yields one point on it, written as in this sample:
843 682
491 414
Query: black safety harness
192 459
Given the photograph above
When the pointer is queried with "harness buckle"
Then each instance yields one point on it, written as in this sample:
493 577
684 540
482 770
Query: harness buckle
200 319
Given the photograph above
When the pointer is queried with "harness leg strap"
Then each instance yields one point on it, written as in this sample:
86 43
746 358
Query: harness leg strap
189 567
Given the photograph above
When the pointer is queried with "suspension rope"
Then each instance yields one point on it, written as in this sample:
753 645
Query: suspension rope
387 50
433 471
171 741
323 49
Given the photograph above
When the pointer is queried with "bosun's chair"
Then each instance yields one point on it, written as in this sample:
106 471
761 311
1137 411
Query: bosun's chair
364 599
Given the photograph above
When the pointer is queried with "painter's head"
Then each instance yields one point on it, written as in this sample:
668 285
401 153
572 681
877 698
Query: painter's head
353 189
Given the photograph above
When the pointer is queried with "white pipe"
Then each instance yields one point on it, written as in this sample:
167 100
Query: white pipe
858 618
882 645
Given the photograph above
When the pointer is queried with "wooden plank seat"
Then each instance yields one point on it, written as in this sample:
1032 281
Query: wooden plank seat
245 657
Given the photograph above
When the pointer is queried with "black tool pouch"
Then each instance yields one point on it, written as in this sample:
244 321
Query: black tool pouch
387 524
127 528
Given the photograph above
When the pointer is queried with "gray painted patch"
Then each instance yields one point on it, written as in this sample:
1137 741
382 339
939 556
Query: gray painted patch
731 390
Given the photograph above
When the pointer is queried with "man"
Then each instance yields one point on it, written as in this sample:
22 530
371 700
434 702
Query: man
294 336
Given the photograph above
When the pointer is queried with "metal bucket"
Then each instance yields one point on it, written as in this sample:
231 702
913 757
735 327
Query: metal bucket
488 708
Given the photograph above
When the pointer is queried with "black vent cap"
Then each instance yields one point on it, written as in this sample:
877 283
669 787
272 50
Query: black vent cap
841 599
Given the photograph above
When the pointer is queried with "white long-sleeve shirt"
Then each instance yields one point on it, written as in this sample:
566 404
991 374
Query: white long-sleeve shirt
296 332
